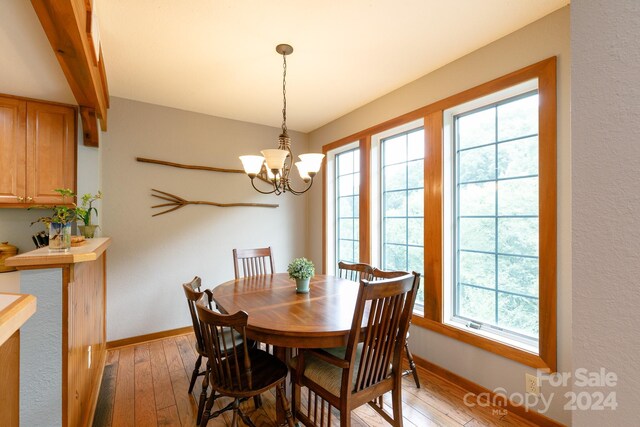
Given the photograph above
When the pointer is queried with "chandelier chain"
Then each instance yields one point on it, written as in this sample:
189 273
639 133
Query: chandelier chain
284 94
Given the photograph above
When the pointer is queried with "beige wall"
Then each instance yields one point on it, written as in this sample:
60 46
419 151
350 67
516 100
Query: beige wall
606 221
542 39
151 257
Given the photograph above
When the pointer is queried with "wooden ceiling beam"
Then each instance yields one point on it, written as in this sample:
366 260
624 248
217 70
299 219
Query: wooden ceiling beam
67 26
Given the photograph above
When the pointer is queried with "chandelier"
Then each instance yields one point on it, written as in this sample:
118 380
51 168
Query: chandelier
274 166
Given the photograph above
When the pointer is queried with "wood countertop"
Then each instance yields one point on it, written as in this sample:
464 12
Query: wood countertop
42 258
15 309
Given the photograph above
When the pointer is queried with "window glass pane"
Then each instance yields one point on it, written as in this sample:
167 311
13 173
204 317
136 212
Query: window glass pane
395 204
477 199
345 185
518 197
478 128
346 251
478 269
356 160
346 229
395 257
416 259
395 230
415 232
395 150
518 314
518 275
415 174
356 183
395 177
518 158
518 118
345 163
346 206
415 148
478 164
518 236
477 304
416 202
477 234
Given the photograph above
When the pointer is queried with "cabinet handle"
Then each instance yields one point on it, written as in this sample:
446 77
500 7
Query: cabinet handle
20 198
29 199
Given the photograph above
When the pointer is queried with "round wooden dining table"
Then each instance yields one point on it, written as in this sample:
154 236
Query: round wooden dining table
281 317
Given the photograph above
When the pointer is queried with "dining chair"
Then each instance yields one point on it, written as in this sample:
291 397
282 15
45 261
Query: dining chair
378 274
236 371
253 262
348 377
354 272
196 296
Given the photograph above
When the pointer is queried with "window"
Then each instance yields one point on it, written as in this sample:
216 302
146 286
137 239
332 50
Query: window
347 165
495 225
402 203
463 191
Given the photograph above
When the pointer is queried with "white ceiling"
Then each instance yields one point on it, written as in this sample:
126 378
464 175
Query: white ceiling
218 56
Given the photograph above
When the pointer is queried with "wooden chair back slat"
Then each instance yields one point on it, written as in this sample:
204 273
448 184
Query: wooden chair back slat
390 303
194 294
354 272
253 262
230 363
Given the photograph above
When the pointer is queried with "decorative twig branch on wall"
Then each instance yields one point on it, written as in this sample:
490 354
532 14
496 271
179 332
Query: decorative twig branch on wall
193 167
176 202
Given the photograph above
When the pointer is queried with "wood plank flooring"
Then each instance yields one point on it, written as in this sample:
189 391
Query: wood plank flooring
146 385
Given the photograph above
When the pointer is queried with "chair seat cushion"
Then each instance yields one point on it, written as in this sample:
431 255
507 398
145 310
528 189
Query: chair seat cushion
266 370
325 374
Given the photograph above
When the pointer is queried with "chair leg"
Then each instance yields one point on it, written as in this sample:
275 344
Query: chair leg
285 404
412 364
204 419
257 401
203 396
396 400
234 420
195 373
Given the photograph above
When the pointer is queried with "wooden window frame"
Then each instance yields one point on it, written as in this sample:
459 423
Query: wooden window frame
432 114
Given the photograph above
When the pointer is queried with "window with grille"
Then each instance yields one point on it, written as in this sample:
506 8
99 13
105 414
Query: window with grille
402 200
347 173
495 208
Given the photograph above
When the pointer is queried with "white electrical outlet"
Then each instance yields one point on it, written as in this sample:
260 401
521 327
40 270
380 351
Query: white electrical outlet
89 358
532 385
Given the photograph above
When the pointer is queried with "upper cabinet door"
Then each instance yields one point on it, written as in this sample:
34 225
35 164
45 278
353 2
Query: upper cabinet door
51 152
12 150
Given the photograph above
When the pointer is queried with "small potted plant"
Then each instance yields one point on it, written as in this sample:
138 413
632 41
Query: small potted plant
59 223
83 212
302 270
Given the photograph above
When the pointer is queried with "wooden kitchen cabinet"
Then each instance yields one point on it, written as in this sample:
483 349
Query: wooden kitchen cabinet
37 151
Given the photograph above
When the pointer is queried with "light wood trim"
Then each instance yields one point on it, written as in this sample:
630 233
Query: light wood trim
64 23
530 415
13 316
42 258
10 380
548 213
89 127
433 216
365 200
155 336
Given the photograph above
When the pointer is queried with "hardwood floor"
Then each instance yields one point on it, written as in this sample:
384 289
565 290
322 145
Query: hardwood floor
146 385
